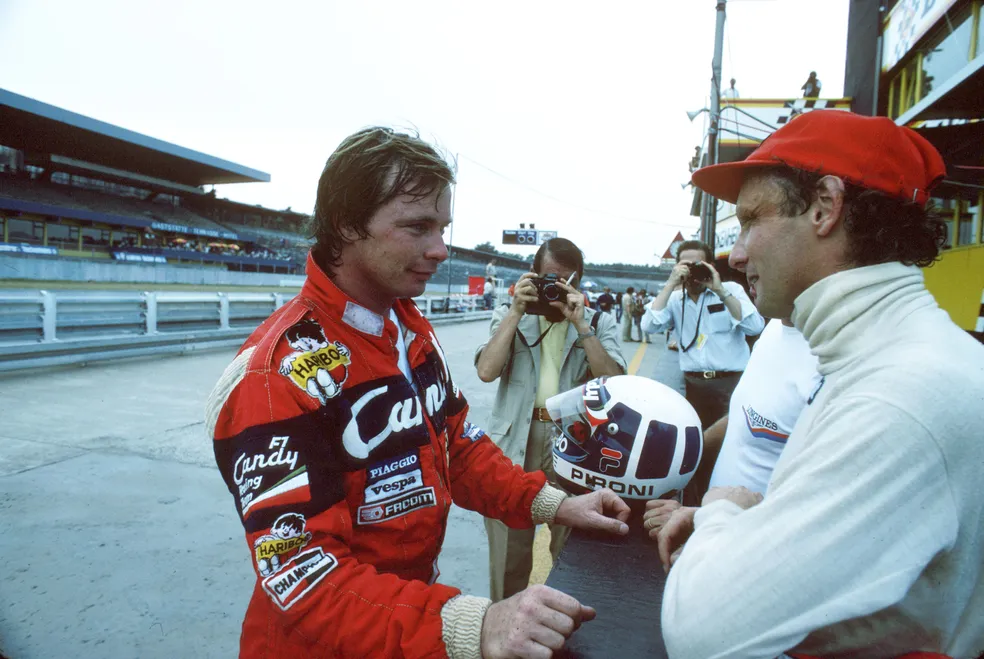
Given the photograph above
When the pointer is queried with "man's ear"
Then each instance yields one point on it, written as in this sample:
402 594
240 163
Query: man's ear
829 206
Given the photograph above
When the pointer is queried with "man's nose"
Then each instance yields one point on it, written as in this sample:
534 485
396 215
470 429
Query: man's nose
738 259
437 250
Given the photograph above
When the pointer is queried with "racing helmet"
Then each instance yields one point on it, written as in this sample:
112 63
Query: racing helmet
628 433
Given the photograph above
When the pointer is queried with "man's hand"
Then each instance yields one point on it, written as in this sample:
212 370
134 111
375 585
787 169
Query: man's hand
715 283
601 510
658 512
679 274
675 532
741 496
572 306
533 623
524 293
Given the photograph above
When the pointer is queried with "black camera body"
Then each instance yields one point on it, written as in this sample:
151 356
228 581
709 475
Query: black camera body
700 272
547 291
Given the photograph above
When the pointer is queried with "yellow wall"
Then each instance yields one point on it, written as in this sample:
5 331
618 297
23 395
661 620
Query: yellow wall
957 280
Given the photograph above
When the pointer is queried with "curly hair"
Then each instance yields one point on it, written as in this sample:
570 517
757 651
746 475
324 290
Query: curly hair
369 169
880 228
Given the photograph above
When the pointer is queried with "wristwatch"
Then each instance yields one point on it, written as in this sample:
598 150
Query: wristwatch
584 335
726 295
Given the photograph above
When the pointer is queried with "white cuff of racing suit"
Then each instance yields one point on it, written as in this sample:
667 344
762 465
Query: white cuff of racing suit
546 504
463 616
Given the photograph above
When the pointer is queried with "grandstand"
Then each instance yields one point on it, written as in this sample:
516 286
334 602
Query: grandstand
79 191
72 187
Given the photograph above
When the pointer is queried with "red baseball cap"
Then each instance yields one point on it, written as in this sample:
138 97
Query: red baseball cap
870 152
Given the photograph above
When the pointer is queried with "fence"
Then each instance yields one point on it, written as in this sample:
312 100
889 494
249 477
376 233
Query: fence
46 328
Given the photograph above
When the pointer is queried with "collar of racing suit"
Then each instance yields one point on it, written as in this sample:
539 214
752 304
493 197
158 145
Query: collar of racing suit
322 292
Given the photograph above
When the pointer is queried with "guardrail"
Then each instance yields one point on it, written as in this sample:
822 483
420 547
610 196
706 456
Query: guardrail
45 328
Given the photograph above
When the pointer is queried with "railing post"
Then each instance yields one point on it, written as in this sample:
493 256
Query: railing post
49 318
223 311
150 301
278 300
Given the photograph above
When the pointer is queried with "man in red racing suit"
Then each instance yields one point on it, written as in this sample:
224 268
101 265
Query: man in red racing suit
343 440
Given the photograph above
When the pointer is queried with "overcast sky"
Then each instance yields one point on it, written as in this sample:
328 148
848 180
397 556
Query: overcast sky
570 115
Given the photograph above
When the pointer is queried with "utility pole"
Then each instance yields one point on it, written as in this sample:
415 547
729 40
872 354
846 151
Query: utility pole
709 205
454 194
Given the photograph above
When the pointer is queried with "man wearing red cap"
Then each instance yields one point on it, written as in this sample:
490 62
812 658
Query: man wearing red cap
869 539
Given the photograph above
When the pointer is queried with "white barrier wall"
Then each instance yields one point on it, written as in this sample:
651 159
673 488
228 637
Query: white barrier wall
40 268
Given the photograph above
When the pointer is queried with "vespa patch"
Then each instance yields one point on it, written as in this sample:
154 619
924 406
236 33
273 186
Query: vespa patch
317 365
390 478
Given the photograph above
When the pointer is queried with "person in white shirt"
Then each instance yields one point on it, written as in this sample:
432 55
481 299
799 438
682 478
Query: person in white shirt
780 378
730 92
741 449
869 539
487 292
711 319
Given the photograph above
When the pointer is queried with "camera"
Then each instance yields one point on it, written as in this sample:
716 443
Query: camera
547 291
700 272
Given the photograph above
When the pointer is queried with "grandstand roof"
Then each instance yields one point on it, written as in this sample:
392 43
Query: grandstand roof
33 126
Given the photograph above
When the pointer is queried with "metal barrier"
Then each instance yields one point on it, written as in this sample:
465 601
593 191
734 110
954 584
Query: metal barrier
44 328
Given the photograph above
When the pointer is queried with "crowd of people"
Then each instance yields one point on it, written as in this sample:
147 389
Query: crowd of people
835 512
212 246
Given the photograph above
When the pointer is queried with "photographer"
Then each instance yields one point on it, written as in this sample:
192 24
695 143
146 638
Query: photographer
711 319
544 343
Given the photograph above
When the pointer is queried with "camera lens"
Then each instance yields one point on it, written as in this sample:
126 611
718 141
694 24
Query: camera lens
551 292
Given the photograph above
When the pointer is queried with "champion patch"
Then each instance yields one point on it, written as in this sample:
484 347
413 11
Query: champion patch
382 511
299 576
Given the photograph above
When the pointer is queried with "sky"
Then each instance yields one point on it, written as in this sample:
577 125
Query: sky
568 115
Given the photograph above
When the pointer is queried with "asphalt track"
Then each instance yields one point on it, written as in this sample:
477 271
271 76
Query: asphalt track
119 538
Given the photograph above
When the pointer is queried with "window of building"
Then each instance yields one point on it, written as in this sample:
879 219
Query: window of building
123 239
945 208
947 51
24 231
94 237
968 219
63 235
902 92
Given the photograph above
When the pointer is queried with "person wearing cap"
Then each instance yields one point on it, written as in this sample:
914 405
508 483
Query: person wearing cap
711 319
535 357
869 539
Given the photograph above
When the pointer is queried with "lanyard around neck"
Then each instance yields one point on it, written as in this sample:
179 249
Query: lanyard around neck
683 316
